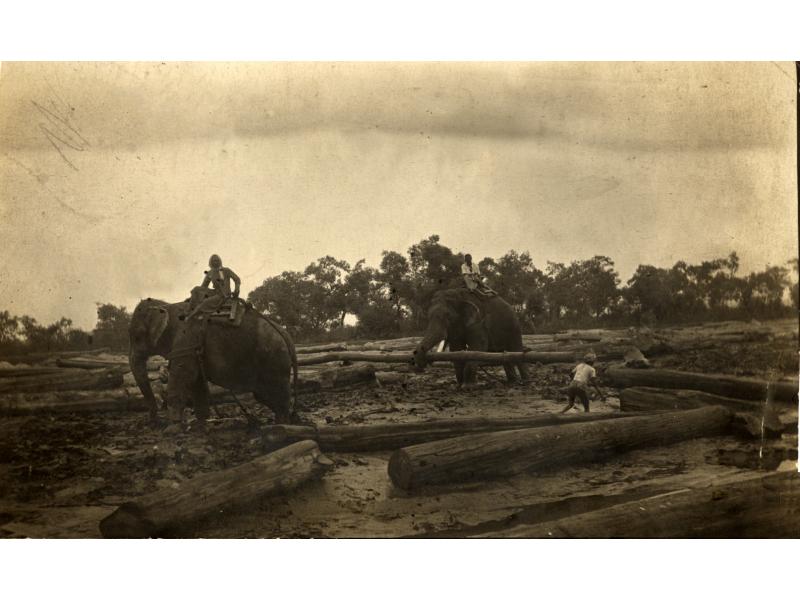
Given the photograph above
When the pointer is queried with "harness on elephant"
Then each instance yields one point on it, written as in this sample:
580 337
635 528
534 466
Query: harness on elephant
225 311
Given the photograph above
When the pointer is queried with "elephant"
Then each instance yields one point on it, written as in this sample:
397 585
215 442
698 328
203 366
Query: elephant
256 356
470 321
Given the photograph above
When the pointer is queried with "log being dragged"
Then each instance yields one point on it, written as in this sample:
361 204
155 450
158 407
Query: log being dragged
744 388
390 436
493 358
757 506
492 455
69 380
171 510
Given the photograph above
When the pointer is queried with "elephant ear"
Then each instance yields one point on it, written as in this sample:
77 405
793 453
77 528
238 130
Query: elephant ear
158 319
471 312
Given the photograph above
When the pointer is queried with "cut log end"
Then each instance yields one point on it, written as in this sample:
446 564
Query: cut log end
400 469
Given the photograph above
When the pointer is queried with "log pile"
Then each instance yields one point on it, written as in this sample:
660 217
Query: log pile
171 510
491 455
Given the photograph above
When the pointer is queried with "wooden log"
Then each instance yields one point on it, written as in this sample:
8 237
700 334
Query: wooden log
722 385
390 436
638 399
80 380
170 510
752 419
495 358
492 455
378 357
321 348
29 371
85 363
35 357
758 506
64 402
337 378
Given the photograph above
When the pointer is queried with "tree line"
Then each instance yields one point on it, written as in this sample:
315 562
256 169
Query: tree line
392 299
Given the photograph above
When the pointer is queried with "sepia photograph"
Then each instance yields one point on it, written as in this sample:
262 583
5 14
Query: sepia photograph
448 299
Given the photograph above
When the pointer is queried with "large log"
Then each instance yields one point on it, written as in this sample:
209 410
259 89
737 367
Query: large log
752 418
494 358
638 399
320 348
80 401
492 455
758 506
70 380
29 371
35 357
722 385
170 510
390 436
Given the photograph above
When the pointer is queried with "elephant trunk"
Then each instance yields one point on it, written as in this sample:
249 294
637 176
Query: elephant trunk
435 334
138 364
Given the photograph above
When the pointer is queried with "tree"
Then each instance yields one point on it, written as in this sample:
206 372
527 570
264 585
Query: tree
112 326
329 295
518 281
9 328
585 290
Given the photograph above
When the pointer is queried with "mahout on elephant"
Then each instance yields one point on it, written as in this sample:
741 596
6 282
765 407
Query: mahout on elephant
248 353
471 321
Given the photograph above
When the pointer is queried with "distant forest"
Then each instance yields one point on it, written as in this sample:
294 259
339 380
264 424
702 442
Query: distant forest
391 300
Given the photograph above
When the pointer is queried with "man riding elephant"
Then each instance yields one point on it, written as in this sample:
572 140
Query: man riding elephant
220 278
469 321
473 279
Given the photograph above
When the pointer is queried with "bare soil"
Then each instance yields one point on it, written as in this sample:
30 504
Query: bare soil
60 475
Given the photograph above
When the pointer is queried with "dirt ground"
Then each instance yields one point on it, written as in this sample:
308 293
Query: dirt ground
60 475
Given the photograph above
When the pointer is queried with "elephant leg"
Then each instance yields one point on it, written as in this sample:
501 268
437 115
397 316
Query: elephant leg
459 369
277 395
470 373
511 373
200 397
523 372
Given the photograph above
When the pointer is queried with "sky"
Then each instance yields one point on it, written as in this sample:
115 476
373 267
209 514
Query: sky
118 180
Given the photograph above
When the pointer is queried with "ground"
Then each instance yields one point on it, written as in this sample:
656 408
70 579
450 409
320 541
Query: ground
60 475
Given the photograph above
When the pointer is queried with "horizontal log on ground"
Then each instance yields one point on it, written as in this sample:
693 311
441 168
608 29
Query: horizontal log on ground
171 510
638 399
80 401
29 371
407 357
77 379
336 378
78 363
722 385
320 348
35 357
492 455
390 436
758 506
752 418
